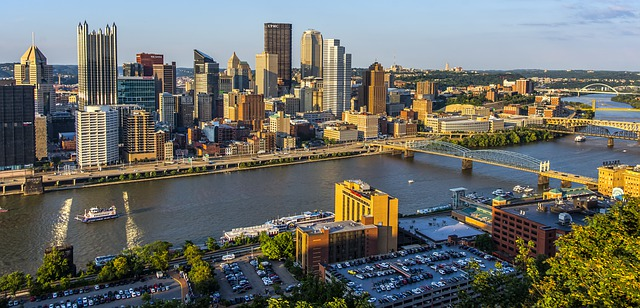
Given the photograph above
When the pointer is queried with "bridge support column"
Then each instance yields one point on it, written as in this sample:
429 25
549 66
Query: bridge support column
408 153
467 164
543 180
610 142
565 184
74 182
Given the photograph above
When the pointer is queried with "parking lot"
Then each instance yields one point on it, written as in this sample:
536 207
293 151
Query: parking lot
125 293
242 279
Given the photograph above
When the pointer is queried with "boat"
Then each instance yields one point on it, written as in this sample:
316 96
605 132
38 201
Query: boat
528 190
580 138
291 222
410 181
498 192
103 260
518 188
97 214
3 210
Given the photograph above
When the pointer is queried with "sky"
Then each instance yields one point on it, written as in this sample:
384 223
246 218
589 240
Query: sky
423 34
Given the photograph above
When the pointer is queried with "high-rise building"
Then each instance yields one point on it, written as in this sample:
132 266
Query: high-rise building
139 91
336 77
132 69
355 199
139 136
148 60
426 90
97 136
311 54
166 76
239 72
206 72
33 70
277 40
167 109
251 110
524 86
267 74
423 107
205 107
280 123
40 126
17 131
160 138
97 66
373 93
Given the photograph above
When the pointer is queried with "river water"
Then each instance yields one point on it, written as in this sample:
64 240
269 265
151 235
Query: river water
194 208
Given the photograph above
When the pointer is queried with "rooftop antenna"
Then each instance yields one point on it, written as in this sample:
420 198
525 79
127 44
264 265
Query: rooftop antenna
33 39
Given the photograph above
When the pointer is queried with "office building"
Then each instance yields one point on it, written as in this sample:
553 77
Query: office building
139 91
373 93
355 198
206 72
132 69
366 123
167 109
139 131
279 122
148 60
205 107
292 104
332 242
422 107
524 86
615 180
33 70
341 132
240 74
97 136
277 40
17 131
251 110
426 90
311 54
165 74
97 66
40 128
267 74
336 78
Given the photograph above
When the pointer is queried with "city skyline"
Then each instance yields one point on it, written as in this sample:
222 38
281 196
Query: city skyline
494 34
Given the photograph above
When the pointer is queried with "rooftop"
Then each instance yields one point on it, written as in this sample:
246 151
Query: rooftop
335 227
547 218
437 228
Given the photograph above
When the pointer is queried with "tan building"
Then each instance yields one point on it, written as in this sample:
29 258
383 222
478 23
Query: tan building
267 74
341 132
366 123
524 86
166 76
426 90
280 123
617 178
168 151
334 242
40 127
373 93
139 136
423 107
355 199
160 138
311 54
33 70
251 110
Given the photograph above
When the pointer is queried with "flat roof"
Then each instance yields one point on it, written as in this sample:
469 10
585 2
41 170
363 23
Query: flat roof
405 264
437 228
547 218
335 226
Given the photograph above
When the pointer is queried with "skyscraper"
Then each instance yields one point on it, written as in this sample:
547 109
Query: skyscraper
336 77
206 72
426 90
373 93
267 74
33 70
139 143
97 66
17 135
148 60
166 76
277 40
311 54
97 136
240 73
139 91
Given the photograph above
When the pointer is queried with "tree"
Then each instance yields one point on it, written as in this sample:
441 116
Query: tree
201 276
278 247
121 267
13 282
54 267
212 244
485 243
596 264
192 253
513 290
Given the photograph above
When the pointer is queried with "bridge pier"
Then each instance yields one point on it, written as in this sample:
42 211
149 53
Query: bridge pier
565 184
610 143
543 180
467 164
408 153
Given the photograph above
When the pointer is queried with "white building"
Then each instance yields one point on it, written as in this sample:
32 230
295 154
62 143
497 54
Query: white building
97 136
336 71
167 109
267 74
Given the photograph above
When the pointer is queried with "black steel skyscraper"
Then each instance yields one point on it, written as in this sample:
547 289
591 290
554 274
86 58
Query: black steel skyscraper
277 40
17 135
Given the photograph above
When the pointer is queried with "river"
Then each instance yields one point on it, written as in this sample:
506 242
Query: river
194 208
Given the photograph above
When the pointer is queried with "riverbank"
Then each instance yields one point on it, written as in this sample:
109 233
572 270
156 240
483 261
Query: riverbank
213 169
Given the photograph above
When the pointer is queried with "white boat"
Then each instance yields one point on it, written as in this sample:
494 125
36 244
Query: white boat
528 190
580 138
410 181
518 188
498 192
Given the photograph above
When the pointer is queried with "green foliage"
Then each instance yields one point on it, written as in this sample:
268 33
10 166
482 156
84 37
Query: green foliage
631 99
485 243
596 265
14 282
518 99
278 247
201 273
212 244
54 267
504 138
457 79
315 293
467 99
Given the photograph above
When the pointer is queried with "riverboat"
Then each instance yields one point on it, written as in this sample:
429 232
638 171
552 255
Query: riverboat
103 260
291 222
580 138
3 210
97 214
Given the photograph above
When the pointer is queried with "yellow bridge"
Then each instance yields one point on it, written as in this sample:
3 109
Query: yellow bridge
500 158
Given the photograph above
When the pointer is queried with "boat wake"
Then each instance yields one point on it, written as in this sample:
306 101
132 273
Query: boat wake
61 226
132 230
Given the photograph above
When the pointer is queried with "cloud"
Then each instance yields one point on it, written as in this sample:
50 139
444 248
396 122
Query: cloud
611 13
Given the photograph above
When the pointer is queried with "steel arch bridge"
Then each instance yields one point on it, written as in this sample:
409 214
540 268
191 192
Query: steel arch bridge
588 130
493 157
586 88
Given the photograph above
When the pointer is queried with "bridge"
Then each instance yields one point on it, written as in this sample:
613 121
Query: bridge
594 88
594 128
500 158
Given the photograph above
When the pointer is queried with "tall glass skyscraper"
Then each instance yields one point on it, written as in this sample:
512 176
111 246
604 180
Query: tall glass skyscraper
206 72
336 77
277 40
311 54
34 70
97 66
